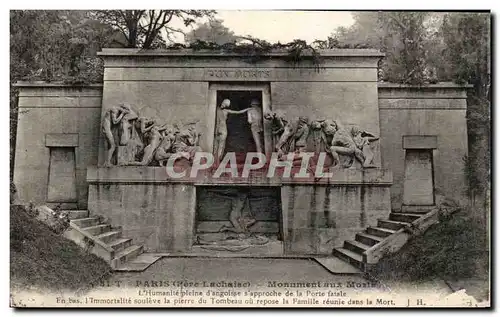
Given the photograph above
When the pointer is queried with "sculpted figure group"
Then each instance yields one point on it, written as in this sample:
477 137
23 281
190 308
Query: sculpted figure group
254 118
291 136
148 141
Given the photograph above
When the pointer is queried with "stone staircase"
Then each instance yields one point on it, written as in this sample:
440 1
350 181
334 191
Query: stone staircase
369 246
96 235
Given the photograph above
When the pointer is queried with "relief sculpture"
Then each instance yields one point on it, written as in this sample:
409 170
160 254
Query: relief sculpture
344 145
110 122
237 236
145 141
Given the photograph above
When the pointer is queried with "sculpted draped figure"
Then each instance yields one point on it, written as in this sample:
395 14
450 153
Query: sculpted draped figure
145 141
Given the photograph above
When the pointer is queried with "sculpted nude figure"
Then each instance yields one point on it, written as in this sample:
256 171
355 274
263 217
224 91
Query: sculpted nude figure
255 121
153 133
112 117
164 150
126 125
294 137
363 141
341 143
221 127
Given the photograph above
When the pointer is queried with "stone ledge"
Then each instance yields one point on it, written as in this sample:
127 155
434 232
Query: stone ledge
158 175
420 141
42 84
61 139
441 85
216 53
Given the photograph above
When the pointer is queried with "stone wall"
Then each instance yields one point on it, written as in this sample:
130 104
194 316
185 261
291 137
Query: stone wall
161 212
60 124
174 86
154 212
436 110
57 125
318 218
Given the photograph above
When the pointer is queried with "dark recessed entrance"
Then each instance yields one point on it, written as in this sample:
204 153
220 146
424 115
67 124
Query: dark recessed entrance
239 137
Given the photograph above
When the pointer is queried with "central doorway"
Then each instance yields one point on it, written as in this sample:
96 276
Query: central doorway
239 137
242 219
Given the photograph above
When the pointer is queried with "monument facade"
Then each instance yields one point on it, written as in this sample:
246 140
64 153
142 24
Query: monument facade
356 149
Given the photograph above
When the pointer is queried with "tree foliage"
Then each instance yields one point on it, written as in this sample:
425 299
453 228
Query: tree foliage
56 45
213 31
467 40
143 28
401 36
53 46
426 47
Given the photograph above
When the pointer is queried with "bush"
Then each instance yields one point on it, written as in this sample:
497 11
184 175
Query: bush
454 249
42 259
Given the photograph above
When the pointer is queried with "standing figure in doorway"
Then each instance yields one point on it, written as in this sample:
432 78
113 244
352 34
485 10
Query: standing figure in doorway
221 127
112 117
255 121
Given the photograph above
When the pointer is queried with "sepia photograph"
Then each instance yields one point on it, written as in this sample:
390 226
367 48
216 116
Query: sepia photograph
250 158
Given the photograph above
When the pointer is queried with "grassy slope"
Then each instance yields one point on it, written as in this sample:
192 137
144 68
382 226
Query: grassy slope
41 259
456 250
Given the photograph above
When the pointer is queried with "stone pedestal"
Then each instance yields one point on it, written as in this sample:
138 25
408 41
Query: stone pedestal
316 215
317 218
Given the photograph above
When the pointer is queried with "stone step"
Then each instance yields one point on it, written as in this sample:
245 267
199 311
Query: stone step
106 237
417 209
403 217
349 256
77 214
86 222
126 254
391 224
97 230
138 264
368 239
379 232
355 246
120 244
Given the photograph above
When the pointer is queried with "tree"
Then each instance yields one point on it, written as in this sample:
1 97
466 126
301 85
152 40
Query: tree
403 43
400 35
53 45
366 32
467 39
423 47
212 31
142 28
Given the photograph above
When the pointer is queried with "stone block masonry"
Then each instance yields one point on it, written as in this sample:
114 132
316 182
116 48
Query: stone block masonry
433 115
55 119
